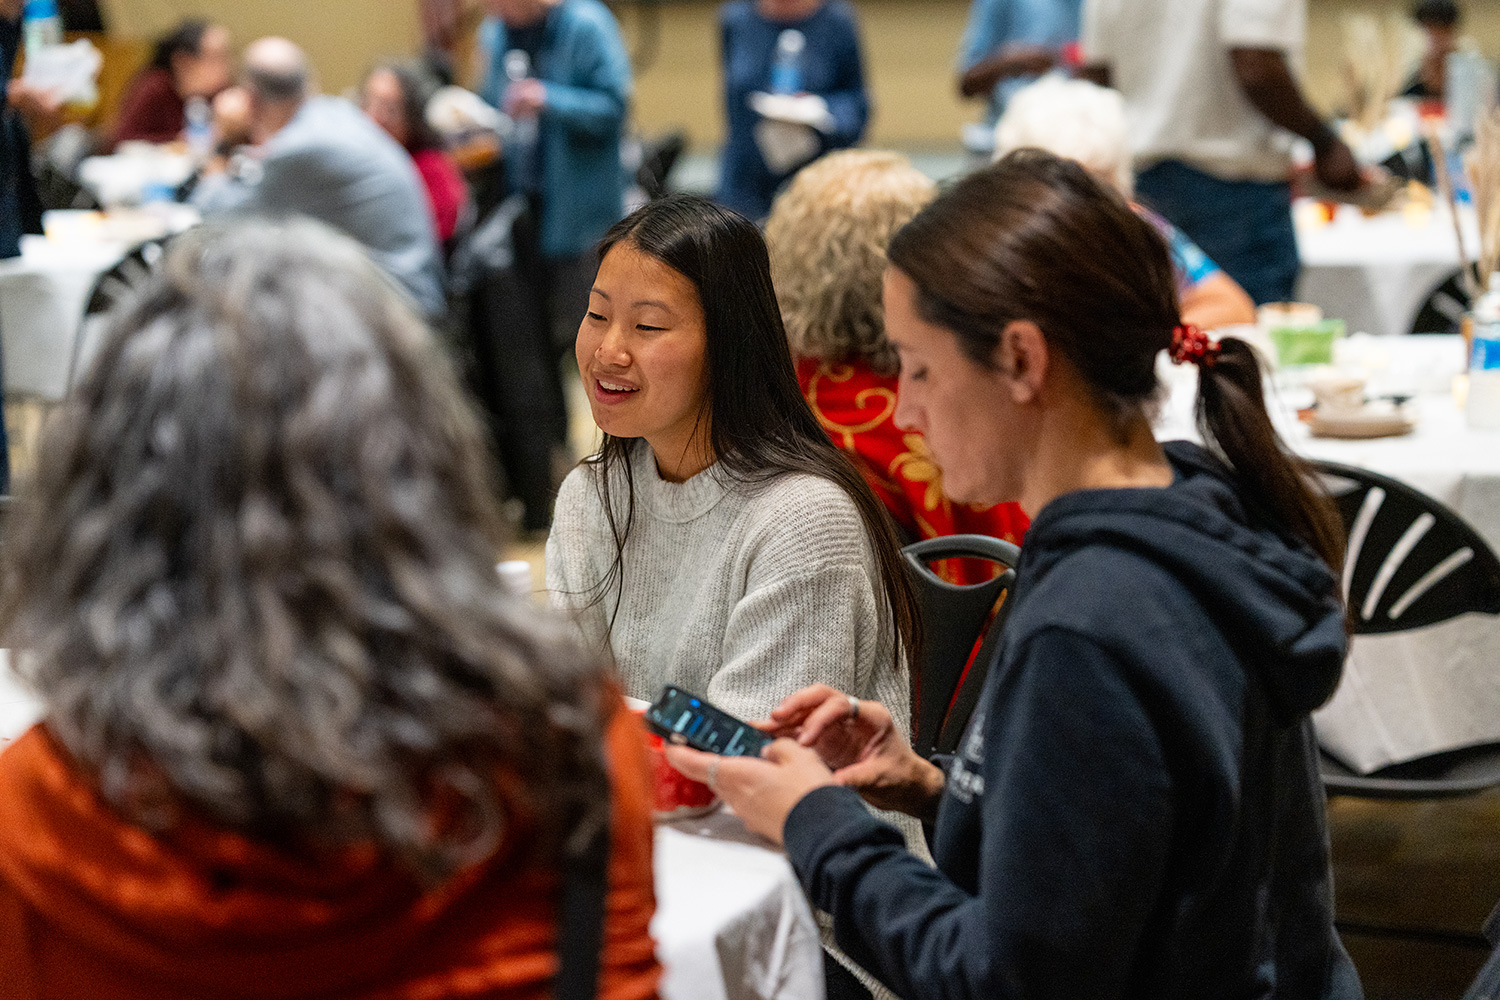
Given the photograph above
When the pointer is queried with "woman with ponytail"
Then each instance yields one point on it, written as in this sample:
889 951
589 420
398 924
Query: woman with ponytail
1135 809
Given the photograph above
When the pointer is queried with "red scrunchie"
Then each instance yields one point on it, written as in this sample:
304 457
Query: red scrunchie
1191 344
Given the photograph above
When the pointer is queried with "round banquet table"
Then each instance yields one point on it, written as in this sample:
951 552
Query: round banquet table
1403 694
731 921
1376 273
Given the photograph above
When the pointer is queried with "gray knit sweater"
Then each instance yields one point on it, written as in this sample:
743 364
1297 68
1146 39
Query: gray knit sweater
740 593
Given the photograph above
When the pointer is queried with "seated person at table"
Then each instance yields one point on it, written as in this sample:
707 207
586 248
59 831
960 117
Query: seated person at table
192 60
827 236
298 740
1135 810
395 97
717 540
321 157
1086 122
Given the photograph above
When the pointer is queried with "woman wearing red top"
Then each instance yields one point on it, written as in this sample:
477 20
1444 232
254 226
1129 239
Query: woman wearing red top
298 742
192 60
395 97
827 234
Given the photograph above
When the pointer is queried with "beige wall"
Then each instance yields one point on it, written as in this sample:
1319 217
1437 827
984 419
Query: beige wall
909 46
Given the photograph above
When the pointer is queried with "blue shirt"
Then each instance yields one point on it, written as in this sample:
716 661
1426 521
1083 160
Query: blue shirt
993 24
583 62
832 68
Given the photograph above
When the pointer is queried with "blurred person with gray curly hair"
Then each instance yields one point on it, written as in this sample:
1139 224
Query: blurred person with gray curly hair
297 740
1085 122
827 235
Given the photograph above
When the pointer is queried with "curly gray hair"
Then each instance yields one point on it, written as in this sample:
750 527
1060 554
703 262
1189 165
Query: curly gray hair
827 235
254 573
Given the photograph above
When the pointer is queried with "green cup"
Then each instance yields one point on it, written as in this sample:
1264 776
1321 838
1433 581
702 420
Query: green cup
1306 345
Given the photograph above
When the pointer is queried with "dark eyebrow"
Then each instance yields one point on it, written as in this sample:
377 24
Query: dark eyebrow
603 295
653 302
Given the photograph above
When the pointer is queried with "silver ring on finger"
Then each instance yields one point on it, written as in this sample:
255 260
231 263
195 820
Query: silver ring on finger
853 707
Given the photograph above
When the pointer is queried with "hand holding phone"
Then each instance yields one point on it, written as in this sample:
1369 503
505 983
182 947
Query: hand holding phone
688 720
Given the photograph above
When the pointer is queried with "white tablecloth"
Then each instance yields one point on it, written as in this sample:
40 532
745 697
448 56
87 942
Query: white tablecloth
42 297
1376 273
1410 693
731 922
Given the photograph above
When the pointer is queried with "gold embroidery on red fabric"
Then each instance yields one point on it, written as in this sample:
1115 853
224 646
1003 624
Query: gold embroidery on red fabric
845 433
916 465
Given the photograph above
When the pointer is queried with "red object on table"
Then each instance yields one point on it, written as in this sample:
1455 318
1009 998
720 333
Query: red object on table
673 790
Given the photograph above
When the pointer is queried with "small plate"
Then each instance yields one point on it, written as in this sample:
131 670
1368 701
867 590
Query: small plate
1371 422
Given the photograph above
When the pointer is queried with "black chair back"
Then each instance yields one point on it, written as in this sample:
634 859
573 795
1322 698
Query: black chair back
1411 562
113 287
953 618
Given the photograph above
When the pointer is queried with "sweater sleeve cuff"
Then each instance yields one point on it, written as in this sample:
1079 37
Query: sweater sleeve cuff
822 822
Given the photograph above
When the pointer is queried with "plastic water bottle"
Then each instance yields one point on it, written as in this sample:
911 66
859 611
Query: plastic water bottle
41 24
517 68
1483 407
521 155
786 66
200 128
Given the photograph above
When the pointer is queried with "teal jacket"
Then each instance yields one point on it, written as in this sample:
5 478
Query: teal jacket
587 72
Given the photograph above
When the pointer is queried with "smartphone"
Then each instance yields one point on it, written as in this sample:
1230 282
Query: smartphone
679 717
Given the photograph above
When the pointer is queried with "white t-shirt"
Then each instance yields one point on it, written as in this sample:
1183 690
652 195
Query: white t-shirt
1170 58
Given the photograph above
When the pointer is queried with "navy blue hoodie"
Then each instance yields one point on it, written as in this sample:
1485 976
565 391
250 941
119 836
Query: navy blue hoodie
1135 810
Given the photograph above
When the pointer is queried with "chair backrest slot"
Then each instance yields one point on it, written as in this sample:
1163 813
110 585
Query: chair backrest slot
1359 532
1393 561
1429 580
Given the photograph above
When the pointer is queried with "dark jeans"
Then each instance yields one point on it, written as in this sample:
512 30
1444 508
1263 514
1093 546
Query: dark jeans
1244 226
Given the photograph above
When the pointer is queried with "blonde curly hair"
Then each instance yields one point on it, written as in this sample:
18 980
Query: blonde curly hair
827 235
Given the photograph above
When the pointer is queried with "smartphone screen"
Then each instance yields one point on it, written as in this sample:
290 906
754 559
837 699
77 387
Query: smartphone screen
680 717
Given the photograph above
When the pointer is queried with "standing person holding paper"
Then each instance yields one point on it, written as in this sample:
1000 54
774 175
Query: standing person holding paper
1213 101
794 88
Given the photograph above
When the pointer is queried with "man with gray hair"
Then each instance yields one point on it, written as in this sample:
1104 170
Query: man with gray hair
322 157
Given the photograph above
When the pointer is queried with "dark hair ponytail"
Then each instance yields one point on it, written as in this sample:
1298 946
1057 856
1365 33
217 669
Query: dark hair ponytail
1232 419
760 427
1038 238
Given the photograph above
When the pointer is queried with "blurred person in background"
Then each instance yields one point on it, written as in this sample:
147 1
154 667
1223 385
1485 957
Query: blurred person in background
827 236
1134 811
1213 105
1440 21
321 157
395 97
1009 43
786 47
193 60
572 94
1085 122
298 740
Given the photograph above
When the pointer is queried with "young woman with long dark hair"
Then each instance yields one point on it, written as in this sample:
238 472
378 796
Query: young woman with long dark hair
718 540
1135 809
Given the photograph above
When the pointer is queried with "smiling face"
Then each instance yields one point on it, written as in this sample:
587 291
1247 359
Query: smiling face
968 413
643 354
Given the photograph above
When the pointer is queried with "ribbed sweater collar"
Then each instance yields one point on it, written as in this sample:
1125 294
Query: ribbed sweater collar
676 503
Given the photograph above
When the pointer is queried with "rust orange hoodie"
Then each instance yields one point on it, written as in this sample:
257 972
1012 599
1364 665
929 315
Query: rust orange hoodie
94 908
